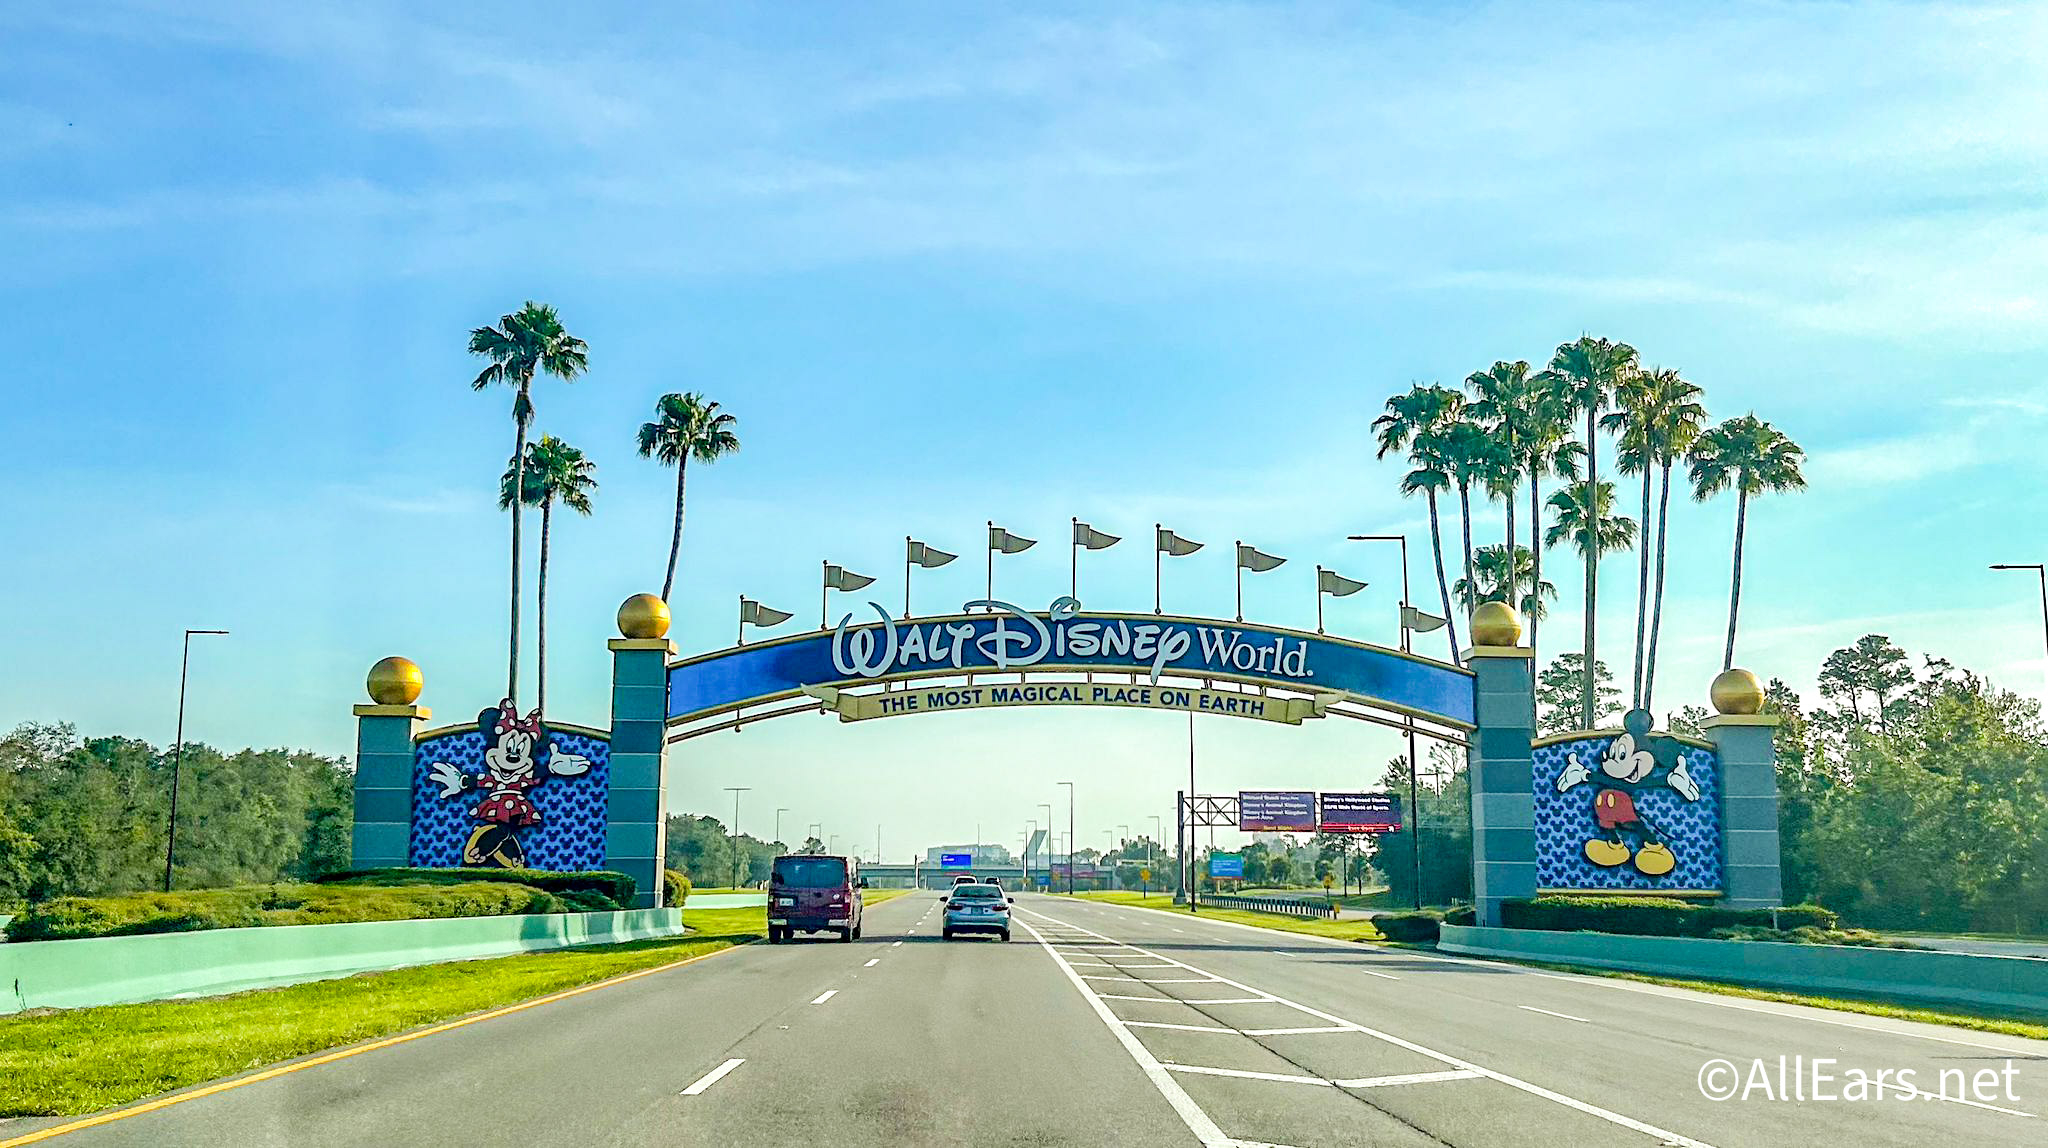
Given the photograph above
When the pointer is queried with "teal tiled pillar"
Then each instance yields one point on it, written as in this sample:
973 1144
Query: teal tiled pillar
1745 742
383 788
1500 764
636 834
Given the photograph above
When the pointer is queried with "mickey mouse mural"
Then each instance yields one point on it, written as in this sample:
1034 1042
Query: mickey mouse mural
506 760
1629 810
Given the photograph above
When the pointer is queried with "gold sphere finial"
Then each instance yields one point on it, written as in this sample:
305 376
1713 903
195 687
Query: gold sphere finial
396 681
1737 691
643 616
1496 624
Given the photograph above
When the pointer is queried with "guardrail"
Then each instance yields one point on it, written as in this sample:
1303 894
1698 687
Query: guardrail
161 966
1284 906
2010 983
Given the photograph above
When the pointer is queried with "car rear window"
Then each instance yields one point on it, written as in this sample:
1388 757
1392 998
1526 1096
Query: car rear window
978 891
811 872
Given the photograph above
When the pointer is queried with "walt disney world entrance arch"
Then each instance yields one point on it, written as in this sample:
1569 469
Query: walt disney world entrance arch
1618 811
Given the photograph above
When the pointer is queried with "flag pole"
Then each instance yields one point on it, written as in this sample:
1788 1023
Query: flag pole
743 621
906 575
1074 560
1319 599
823 566
1238 553
1156 528
991 595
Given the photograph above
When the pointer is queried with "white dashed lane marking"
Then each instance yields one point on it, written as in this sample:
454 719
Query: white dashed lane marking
828 994
714 1076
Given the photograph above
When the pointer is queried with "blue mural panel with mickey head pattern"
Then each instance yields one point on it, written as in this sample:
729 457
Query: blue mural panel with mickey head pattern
568 833
1587 838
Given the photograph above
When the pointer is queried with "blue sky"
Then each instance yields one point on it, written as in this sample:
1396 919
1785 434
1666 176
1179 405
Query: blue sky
1129 262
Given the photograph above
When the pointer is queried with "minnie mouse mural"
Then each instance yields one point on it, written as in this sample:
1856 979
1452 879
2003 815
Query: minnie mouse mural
519 756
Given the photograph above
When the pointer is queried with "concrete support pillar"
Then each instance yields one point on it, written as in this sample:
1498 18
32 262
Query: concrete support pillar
383 828
636 834
1748 753
1500 765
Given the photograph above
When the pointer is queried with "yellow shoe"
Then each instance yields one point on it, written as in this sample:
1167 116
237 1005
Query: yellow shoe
1606 854
1655 861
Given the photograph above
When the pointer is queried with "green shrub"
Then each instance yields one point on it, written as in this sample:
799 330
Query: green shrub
256 906
1413 926
1461 915
1812 935
1655 916
619 887
676 888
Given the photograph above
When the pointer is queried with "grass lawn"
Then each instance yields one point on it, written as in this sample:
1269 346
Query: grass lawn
82 1060
1337 930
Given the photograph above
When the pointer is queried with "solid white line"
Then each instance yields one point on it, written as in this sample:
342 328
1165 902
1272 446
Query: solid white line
1298 1031
872 962
1558 1015
1153 965
714 1076
1245 1074
1409 1078
1191 1114
828 994
1176 1027
1382 976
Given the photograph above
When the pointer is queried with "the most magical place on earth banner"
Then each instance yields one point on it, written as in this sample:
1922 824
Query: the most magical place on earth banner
993 636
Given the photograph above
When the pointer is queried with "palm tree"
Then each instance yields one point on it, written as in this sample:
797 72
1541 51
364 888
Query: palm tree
527 342
685 427
1585 517
1471 456
1633 454
1412 422
1497 578
1586 374
1507 399
1550 450
554 473
1676 418
1754 457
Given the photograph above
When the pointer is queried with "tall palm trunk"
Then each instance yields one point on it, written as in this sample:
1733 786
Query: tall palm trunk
1512 580
1443 587
519 417
1642 593
1657 595
675 540
1465 528
540 644
1735 581
1592 540
1535 560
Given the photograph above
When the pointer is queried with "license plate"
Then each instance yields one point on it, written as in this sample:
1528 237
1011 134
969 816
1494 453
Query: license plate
837 921
778 921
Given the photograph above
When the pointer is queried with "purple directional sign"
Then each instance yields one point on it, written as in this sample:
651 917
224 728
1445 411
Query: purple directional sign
1283 811
1361 813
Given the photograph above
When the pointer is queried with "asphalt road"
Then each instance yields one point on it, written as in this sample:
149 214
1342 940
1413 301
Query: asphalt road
1100 1025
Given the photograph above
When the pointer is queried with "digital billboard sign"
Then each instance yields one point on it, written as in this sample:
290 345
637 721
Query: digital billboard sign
1281 811
1360 813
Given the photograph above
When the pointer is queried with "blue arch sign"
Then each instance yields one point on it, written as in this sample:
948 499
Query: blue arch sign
995 637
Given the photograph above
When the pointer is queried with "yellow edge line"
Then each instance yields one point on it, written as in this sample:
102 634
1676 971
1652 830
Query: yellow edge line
345 1053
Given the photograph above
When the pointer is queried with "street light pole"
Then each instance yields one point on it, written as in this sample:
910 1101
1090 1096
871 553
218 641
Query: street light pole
2042 570
178 757
778 823
1047 806
1151 841
1070 836
1414 804
736 790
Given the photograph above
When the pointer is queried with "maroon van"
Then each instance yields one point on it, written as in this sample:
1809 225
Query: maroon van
810 893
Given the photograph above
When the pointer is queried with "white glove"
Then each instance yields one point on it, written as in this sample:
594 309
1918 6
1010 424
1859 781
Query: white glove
1682 781
567 764
1575 773
449 778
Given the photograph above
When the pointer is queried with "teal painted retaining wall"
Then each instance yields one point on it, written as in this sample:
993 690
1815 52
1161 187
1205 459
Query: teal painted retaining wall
160 966
2005 983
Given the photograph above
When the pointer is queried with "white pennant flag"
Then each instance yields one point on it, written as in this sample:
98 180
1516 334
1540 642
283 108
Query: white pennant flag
1420 621
840 578
1093 539
1167 542
1336 585
1254 561
929 557
1008 543
755 614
